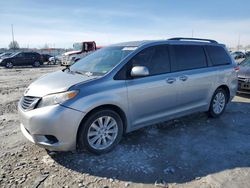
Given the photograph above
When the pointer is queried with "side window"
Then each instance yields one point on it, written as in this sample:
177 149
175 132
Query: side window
189 57
218 55
156 59
32 55
20 55
27 55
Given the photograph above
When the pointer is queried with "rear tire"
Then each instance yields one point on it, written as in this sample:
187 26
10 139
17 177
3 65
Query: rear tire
101 132
36 64
218 103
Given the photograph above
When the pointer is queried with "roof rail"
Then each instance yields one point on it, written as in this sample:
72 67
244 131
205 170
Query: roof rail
194 39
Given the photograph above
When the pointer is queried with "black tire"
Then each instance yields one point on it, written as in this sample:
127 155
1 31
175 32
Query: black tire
82 140
36 64
212 112
9 65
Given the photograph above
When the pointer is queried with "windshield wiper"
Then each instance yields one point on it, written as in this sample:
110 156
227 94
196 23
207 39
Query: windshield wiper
78 72
88 74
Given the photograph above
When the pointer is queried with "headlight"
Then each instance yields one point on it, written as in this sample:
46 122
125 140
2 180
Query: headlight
57 98
1 60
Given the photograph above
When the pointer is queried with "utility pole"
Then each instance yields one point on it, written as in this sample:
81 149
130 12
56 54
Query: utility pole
13 39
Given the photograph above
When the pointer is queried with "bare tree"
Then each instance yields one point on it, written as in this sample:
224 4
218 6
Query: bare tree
46 46
14 45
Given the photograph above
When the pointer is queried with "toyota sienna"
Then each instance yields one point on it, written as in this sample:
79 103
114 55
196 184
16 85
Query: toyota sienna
120 88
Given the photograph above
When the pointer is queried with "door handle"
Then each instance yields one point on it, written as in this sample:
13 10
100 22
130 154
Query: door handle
170 80
183 78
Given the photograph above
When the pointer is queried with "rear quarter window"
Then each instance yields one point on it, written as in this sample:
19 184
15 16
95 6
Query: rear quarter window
218 55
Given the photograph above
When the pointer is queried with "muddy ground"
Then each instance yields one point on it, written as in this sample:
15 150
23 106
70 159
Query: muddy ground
194 151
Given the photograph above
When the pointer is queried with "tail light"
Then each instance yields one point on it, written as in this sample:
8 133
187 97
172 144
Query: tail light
237 68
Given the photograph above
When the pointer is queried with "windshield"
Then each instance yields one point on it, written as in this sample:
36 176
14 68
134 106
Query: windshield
102 61
14 54
77 46
5 54
245 63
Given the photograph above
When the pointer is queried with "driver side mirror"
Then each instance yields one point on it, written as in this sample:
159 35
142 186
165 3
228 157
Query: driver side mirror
139 71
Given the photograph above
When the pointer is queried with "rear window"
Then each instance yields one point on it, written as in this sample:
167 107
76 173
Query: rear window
218 55
189 57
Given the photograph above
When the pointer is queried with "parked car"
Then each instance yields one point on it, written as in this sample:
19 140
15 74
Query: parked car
22 58
5 54
238 55
124 87
247 53
244 77
55 60
45 57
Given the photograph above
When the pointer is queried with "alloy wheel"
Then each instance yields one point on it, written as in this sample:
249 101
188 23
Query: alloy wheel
36 64
9 65
102 132
219 102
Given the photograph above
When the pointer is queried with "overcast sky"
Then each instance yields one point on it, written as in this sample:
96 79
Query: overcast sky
61 23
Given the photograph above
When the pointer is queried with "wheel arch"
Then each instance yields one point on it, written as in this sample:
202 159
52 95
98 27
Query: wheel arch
226 89
102 107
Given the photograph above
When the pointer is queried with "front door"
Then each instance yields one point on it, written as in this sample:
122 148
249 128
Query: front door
151 98
19 59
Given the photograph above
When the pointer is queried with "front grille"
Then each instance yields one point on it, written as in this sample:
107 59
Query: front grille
241 79
65 59
29 102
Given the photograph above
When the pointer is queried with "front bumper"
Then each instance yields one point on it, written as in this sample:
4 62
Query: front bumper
57 122
241 89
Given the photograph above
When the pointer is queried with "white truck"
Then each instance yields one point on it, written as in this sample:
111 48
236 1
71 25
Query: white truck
80 50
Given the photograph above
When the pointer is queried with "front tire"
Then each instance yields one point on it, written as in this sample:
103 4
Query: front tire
9 65
218 103
101 132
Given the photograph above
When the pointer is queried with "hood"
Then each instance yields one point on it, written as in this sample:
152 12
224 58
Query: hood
55 82
72 52
5 58
244 72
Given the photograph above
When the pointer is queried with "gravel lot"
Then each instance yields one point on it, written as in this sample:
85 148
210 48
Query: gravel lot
194 151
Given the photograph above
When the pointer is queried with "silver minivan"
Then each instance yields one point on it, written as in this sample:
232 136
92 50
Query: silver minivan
120 88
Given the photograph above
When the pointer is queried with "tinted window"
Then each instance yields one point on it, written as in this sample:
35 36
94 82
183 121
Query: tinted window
218 55
27 54
30 54
20 55
189 57
156 59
